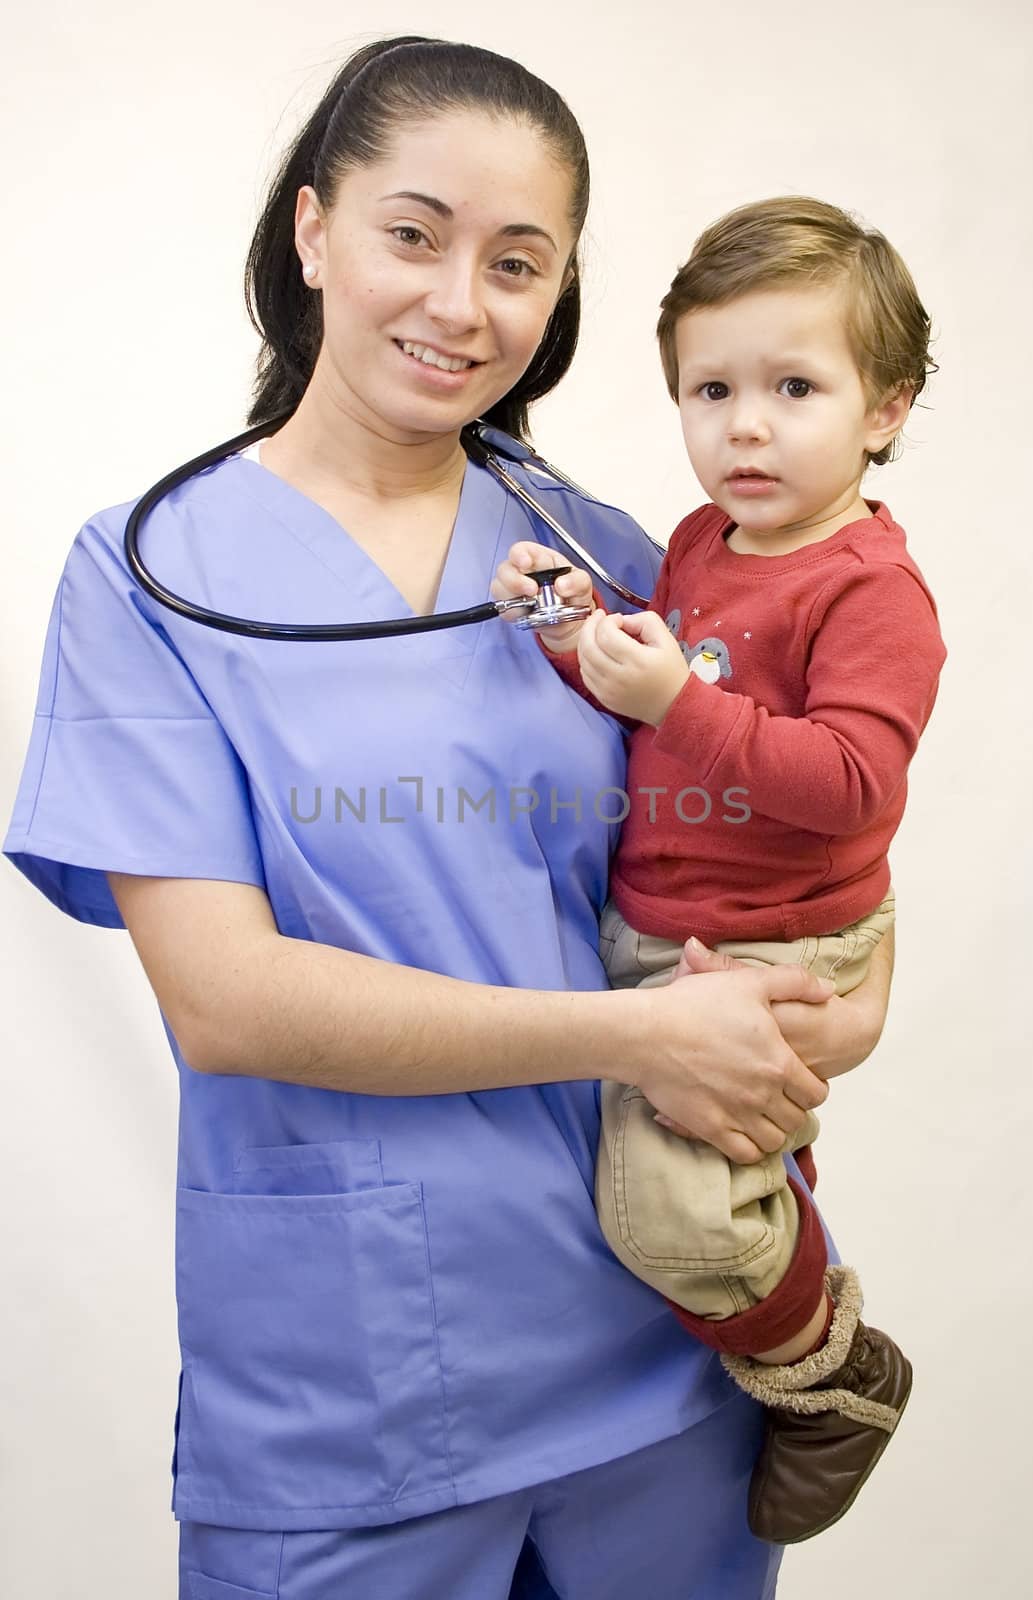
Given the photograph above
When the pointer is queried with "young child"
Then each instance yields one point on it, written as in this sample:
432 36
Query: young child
780 682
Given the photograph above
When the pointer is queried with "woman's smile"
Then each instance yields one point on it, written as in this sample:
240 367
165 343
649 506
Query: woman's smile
429 365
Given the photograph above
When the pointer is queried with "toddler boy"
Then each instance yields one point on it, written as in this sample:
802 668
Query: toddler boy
780 682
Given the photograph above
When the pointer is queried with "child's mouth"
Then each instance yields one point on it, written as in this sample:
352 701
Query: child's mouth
750 482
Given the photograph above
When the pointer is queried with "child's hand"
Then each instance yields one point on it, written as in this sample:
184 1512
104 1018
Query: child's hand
574 588
631 663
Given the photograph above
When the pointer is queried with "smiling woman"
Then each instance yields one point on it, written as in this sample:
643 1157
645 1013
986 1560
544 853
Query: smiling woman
465 267
513 207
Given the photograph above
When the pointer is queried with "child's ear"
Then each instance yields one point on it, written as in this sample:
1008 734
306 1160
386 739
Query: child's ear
886 419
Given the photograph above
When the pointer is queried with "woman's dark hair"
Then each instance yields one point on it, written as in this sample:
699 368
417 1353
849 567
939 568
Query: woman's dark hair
379 89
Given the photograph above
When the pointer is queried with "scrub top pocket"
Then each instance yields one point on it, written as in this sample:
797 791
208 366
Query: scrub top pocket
311 1375
198 1587
342 1165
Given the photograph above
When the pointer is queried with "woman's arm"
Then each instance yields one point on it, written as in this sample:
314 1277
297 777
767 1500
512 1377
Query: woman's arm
242 998
832 1039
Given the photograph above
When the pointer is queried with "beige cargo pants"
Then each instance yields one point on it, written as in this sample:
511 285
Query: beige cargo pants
713 1236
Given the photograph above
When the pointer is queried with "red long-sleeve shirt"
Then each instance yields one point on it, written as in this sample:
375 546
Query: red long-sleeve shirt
826 663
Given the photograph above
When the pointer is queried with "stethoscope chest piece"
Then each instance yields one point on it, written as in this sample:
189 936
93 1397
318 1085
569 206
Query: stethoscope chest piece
548 611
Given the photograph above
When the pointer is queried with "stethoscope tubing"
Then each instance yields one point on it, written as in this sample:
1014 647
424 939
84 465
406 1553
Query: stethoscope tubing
335 632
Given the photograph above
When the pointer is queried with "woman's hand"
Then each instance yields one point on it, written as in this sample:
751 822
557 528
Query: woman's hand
574 589
834 1038
738 1084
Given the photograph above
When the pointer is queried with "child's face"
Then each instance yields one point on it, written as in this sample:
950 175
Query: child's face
768 386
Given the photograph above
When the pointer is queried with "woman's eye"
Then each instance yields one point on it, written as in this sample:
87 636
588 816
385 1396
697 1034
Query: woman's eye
406 234
797 388
714 391
523 268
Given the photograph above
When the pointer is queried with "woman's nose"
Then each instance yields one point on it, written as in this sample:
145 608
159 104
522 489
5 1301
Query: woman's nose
455 299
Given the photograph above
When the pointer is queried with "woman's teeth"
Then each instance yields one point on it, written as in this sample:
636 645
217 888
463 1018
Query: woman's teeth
431 358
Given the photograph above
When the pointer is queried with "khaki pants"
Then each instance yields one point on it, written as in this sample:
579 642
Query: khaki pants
713 1236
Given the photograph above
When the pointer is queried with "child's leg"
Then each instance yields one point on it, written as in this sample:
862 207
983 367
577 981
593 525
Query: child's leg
720 1241
739 1254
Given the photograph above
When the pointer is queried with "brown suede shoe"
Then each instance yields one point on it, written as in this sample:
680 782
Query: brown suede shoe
830 1417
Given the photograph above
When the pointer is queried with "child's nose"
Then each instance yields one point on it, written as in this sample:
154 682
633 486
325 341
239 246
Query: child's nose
747 421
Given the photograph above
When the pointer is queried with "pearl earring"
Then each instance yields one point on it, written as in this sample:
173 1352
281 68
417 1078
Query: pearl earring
309 269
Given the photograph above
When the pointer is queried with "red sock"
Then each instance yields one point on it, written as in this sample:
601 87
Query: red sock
830 1311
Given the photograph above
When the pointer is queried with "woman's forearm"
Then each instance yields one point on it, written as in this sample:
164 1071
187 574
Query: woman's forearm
707 1052
310 1013
244 999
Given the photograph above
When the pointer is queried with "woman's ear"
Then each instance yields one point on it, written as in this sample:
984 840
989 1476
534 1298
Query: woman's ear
309 226
885 420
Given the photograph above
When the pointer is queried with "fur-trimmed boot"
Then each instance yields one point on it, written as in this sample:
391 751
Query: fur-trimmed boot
829 1418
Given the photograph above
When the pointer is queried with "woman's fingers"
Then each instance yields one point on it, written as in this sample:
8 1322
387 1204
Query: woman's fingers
806 1027
672 1126
794 983
747 1150
719 1067
512 578
768 1134
698 957
802 1087
803 1090
525 557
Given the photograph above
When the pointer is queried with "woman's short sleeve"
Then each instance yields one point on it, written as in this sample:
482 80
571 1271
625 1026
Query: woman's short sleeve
128 769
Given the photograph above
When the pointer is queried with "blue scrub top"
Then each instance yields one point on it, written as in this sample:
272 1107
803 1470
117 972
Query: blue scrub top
387 1306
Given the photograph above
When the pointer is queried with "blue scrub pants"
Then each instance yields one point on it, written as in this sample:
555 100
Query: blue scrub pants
668 1521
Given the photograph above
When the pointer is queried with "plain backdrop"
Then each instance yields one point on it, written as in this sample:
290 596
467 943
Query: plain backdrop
136 141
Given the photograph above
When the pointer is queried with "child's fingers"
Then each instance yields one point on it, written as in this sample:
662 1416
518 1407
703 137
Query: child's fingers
646 627
591 647
610 639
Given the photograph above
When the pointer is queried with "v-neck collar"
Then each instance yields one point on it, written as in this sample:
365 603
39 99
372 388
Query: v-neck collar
473 551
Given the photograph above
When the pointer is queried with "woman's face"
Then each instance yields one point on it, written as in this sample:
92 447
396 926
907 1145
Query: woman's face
439 267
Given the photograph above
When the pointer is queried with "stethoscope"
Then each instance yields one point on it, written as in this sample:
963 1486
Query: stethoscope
545 610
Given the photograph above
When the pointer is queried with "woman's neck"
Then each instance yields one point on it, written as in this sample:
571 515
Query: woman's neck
329 439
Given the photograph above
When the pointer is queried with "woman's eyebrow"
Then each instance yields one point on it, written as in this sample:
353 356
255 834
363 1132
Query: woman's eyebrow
512 230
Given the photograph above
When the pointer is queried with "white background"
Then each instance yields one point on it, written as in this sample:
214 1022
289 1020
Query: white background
135 144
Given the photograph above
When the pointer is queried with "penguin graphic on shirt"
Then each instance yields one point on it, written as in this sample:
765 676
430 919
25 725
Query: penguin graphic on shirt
709 660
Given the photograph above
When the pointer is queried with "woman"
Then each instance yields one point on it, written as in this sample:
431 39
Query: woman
405 1345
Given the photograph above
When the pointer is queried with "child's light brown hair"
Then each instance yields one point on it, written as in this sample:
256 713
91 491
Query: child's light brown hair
797 241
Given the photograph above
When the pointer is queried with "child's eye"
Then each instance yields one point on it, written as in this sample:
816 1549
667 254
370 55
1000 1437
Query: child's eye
714 391
796 388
